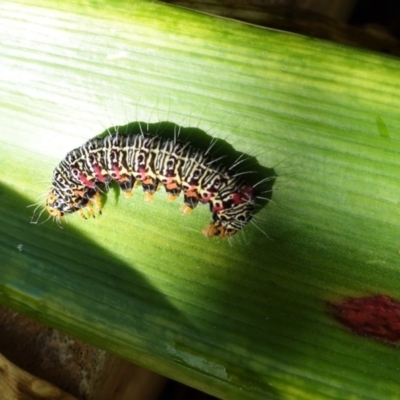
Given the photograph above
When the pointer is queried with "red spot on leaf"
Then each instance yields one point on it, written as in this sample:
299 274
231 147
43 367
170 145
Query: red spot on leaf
374 316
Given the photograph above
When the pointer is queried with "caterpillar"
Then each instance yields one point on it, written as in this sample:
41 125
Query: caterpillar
130 156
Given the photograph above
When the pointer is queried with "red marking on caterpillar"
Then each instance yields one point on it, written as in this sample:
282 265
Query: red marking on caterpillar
129 156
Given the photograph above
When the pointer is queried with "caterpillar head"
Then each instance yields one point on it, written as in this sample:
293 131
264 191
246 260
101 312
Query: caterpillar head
55 206
60 204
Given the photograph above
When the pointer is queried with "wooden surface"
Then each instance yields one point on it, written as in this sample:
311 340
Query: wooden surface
122 380
46 355
19 385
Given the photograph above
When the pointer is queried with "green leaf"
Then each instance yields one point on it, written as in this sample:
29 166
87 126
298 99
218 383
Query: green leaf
241 319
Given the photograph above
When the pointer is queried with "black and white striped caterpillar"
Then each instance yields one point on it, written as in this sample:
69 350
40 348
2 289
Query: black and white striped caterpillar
132 158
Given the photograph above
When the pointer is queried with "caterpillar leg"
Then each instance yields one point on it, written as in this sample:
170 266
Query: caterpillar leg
173 190
97 200
127 184
148 196
128 192
190 201
89 207
82 214
150 186
185 209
